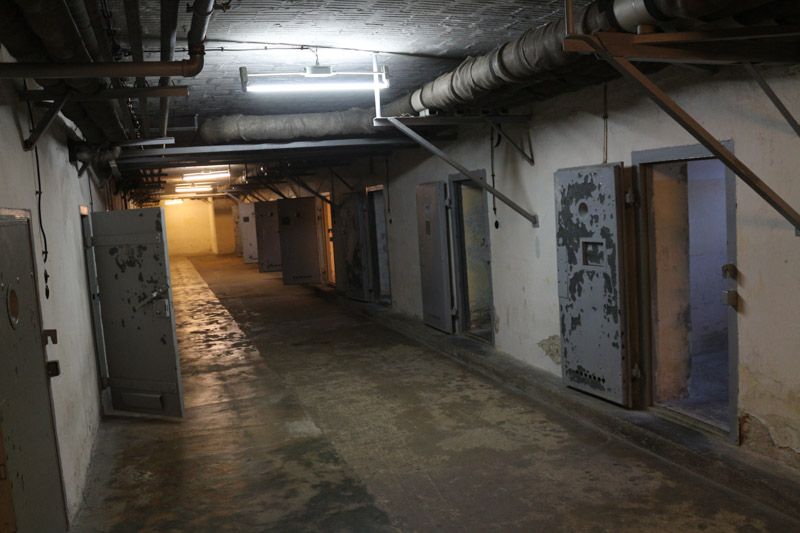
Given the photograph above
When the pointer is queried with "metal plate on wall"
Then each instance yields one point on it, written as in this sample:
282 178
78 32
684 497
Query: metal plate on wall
138 320
268 240
589 207
434 256
32 467
299 222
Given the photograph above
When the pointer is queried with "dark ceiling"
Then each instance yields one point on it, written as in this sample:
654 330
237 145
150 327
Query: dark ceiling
418 40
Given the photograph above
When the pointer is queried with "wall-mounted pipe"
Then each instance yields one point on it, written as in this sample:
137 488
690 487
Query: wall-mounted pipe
169 33
186 68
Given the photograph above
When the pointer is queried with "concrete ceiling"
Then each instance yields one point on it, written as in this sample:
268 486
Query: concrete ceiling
418 40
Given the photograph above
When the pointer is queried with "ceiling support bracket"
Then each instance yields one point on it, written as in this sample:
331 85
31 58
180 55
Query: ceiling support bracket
774 98
685 120
309 189
518 148
46 121
534 219
338 177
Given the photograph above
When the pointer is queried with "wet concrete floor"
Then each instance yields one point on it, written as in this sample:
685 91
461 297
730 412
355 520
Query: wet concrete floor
302 417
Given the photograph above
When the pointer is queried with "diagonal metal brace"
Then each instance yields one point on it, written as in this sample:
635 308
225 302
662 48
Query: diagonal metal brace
517 147
309 189
534 219
774 98
703 136
46 121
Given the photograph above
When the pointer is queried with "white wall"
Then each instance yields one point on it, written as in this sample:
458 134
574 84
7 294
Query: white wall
75 391
189 227
567 132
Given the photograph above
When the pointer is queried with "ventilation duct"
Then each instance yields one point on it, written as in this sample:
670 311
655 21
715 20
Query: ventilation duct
535 59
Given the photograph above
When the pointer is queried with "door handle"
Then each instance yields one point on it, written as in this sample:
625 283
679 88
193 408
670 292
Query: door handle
152 297
731 298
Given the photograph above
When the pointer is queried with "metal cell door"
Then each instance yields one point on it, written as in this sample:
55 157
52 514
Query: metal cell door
352 246
589 211
247 223
138 319
30 468
298 221
267 237
434 256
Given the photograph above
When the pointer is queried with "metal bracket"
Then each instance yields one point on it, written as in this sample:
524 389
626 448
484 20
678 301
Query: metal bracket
50 336
517 147
773 98
46 121
534 219
309 189
53 369
685 120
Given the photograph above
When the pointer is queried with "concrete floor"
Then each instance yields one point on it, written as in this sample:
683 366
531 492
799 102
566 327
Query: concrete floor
301 417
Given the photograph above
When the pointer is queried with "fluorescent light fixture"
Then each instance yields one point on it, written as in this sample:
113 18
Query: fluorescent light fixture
194 188
200 176
379 80
173 202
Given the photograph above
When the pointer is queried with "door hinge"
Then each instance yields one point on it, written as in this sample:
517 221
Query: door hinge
50 336
454 311
630 198
448 203
731 298
730 271
53 369
636 372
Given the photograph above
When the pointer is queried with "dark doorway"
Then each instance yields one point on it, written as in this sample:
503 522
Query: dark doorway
378 246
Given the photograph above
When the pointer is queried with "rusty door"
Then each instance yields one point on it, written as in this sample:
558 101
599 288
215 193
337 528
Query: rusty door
591 260
267 237
247 223
352 246
31 489
434 256
144 372
299 220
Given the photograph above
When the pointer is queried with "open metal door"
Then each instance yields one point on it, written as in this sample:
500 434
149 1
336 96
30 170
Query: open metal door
591 286
247 223
31 489
434 256
351 249
138 321
298 221
267 237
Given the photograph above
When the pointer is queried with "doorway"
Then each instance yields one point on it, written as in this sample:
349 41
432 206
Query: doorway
689 240
378 246
473 270
327 227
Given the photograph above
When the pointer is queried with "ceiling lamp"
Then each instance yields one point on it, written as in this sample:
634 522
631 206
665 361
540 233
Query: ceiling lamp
201 176
194 188
173 202
312 80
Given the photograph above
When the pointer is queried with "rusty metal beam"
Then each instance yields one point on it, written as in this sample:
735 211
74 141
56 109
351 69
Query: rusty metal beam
46 121
773 98
685 120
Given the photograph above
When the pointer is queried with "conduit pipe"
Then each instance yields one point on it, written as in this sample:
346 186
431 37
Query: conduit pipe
537 57
169 33
185 68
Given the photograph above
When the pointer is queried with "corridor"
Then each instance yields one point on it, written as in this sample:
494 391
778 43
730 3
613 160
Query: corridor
302 417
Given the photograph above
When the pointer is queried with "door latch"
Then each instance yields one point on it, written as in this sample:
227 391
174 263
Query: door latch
730 271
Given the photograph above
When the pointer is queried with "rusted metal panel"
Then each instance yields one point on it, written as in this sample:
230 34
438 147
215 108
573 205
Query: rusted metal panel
589 206
434 256
298 221
136 300
352 246
29 461
268 241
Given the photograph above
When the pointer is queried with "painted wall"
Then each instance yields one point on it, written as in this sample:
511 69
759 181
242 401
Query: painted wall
75 391
567 132
188 227
224 225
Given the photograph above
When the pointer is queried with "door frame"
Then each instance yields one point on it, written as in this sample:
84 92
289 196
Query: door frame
459 254
641 162
371 245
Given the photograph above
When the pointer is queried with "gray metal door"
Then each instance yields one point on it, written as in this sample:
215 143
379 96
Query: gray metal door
247 221
298 221
267 237
351 240
434 256
589 212
31 462
138 319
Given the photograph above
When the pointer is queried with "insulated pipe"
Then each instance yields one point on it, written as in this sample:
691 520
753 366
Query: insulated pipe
185 68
